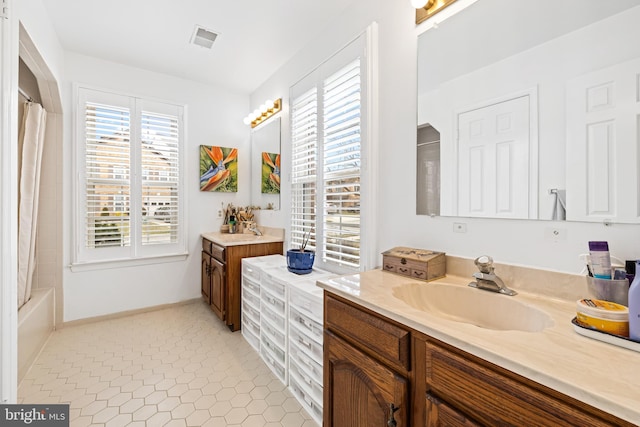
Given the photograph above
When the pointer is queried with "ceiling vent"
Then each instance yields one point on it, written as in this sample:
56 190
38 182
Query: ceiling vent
203 37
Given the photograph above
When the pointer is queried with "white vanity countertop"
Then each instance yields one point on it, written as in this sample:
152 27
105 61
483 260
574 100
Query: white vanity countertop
599 374
270 235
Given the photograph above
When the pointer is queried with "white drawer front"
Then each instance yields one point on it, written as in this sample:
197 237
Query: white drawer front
305 363
309 304
309 326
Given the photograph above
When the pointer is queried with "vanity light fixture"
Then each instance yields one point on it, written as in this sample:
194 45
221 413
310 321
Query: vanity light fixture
261 114
427 8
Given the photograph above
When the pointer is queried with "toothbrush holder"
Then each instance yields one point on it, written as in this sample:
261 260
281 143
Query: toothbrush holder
609 290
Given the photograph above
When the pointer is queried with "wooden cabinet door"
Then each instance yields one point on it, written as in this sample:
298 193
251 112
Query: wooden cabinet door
205 277
439 414
359 391
218 286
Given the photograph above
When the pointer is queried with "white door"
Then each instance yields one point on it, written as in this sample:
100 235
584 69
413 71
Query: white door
603 109
493 178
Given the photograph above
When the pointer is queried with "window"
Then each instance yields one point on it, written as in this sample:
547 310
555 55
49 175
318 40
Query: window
129 154
330 143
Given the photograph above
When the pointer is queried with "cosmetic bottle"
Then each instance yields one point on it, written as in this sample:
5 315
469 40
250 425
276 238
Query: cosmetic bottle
600 260
634 306
630 266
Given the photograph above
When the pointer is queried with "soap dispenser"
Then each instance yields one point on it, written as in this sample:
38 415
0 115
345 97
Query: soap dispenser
634 306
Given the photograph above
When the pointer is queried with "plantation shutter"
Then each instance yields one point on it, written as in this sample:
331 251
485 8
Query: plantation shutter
160 178
341 166
130 189
107 177
304 141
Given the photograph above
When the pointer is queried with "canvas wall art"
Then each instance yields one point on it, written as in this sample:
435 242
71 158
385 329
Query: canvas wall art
218 169
270 173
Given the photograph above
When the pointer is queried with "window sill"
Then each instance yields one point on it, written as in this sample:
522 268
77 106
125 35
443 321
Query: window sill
120 263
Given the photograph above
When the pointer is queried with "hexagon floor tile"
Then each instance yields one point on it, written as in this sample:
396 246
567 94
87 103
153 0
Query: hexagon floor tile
178 366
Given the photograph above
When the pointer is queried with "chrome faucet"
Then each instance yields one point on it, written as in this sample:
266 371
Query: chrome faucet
487 280
256 231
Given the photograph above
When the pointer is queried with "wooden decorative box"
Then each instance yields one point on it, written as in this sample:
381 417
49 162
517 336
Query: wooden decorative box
420 264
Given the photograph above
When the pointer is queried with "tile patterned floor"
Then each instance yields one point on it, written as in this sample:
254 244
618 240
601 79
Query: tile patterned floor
173 367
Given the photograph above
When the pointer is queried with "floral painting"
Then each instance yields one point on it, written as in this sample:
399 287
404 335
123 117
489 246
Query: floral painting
218 169
270 173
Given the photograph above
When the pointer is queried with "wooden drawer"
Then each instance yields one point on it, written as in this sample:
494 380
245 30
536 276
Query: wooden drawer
491 396
214 250
369 332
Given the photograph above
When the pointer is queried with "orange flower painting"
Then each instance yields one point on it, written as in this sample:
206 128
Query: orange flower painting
270 173
218 169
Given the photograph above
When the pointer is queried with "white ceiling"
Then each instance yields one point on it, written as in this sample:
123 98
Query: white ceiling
255 37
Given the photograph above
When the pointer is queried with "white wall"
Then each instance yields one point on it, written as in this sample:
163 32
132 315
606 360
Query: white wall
35 19
529 243
214 117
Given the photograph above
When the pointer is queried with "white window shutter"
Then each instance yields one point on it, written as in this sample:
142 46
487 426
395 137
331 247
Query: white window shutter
107 177
341 166
304 142
160 178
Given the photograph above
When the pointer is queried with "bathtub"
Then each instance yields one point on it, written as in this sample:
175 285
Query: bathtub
36 321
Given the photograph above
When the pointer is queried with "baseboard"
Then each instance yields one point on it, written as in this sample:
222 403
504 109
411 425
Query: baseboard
127 313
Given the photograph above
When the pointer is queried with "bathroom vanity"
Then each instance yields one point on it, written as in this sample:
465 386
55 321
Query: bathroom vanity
222 269
394 354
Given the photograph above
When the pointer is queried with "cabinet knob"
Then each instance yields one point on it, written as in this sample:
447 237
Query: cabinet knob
392 420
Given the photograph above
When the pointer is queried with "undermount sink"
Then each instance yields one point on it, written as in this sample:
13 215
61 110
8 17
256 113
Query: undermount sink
468 305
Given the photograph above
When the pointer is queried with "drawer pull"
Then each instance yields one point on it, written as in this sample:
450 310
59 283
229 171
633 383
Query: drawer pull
403 270
308 400
304 359
307 380
392 420
304 343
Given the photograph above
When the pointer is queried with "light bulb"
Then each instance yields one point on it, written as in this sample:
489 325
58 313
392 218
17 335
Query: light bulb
263 108
246 120
269 104
257 112
418 4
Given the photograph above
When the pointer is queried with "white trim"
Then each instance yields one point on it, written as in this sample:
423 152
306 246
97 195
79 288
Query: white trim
120 263
8 207
369 227
532 93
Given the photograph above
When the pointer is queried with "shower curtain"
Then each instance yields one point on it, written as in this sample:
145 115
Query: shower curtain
32 140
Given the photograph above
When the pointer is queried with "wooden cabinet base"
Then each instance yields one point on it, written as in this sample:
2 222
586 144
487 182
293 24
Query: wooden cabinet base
367 366
222 273
360 391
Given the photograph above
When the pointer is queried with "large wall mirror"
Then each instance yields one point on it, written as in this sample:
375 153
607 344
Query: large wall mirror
531 110
265 165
